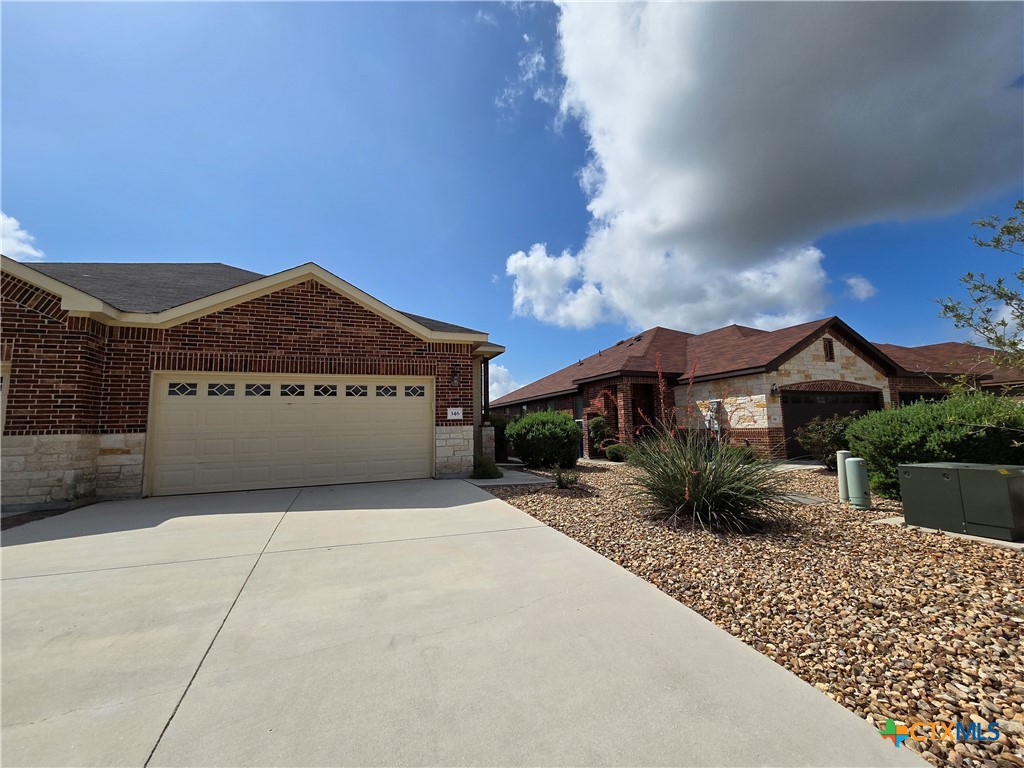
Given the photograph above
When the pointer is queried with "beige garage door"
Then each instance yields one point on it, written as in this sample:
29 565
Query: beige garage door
223 432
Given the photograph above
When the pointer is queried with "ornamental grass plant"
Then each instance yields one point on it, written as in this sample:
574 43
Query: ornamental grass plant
686 477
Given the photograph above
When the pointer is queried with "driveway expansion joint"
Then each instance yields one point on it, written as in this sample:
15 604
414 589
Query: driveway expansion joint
413 538
128 567
216 634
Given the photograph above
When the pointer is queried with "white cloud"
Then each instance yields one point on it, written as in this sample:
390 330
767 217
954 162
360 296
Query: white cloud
15 242
501 381
484 17
859 287
533 77
725 138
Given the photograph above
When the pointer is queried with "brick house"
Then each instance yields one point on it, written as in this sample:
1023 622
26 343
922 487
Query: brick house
756 387
122 380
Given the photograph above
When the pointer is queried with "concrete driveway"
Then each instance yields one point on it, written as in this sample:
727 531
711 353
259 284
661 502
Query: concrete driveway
414 623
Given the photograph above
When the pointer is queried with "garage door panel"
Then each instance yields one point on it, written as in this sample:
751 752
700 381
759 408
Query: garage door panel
255 417
259 438
177 418
254 447
179 449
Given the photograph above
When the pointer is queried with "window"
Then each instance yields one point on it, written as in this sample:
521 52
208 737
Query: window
387 390
182 389
355 390
220 390
325 390
414 391
830 350
293 390
257 390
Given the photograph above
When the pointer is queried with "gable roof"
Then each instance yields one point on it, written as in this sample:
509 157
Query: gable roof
952 358
161 292
723 352
151 287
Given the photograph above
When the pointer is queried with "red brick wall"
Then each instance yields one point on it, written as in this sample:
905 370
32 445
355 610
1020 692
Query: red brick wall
75 375
916 384
769 442
56 364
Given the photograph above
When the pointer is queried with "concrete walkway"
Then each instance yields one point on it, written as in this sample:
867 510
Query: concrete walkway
416 623
513 477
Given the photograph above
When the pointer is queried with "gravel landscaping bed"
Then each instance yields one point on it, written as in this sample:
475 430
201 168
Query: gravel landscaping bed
888 621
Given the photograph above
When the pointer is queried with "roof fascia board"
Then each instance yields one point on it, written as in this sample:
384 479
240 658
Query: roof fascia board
79 303
488 351
729 374
72 300
546 396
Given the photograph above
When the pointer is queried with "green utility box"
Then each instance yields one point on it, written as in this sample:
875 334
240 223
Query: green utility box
978 499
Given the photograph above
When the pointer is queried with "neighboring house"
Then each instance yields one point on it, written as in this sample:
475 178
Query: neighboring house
123 380
940 364
756 387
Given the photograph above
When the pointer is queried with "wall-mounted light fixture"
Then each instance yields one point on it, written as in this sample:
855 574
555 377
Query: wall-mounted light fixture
456 380
774 391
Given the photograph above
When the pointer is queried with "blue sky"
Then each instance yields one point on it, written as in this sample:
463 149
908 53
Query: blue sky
413 149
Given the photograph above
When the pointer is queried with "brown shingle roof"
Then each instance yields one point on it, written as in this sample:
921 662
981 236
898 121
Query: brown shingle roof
717 353
952 358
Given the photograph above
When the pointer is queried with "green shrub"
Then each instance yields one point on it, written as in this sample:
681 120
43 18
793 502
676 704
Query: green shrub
545 439
500 441
980 428
688 477
565 479
484 468
821 438
617 452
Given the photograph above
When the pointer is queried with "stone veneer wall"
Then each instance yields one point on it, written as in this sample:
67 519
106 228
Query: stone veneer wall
453 452
54 469
487 447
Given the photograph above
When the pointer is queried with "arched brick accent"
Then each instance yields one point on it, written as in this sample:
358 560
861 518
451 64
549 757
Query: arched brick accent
829 385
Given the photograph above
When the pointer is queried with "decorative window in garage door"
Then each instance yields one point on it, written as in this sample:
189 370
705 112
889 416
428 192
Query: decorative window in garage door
415 390
325 390
220 390
387 390
257 390
182 389
293 390
355 390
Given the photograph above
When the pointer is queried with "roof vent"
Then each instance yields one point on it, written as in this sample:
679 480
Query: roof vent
639 338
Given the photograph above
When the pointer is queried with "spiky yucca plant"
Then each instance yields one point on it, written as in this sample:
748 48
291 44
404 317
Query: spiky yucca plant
685 476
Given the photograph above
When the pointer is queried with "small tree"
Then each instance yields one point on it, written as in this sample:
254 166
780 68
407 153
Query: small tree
600 432
822 438
995 311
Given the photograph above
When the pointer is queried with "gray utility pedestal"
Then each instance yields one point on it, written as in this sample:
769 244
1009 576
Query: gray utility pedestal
977 499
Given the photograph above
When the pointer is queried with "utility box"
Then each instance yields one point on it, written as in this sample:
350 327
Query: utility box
978 499
994 501
931 496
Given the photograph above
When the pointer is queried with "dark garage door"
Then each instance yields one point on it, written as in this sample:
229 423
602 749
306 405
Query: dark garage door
800 407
